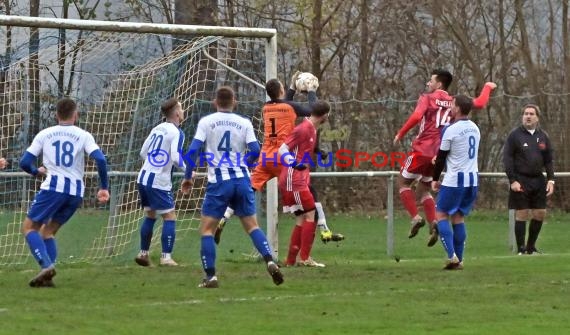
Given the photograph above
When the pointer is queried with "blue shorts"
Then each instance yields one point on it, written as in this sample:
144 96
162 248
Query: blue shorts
55 206
234 193
451 200
155 200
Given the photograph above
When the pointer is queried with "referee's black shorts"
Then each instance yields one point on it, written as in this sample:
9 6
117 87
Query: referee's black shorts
533 195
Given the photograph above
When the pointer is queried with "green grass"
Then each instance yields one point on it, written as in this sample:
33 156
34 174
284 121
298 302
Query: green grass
361 291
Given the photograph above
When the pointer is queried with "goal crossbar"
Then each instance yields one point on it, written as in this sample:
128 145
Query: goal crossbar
135 27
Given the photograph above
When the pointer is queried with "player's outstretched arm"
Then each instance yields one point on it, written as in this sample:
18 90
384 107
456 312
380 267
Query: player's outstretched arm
253 152
187 183
101 162
103 196
292 86
414 119
190 160
481 101
439 163
289 159
27 163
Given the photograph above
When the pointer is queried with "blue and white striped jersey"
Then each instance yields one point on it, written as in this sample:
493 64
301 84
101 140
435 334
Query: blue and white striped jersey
461 139
63 149
226 136
161 151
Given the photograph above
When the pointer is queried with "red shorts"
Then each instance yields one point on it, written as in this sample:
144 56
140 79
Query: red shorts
298 202
418 167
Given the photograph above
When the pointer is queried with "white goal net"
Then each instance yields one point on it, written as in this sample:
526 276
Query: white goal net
119 80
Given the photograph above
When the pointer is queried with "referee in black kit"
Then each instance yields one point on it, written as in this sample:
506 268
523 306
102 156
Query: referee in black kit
527 154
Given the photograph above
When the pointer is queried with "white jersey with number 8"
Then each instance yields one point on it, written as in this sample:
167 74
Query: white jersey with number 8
461 139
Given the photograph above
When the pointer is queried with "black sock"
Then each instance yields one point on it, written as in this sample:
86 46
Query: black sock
533 231
268 258
520 232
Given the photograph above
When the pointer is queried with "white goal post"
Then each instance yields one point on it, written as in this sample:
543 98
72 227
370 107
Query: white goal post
120 72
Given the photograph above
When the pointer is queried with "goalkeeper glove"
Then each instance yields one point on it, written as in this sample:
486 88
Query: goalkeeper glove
293 83
313 85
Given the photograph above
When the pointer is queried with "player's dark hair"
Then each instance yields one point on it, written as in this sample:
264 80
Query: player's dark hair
225 98
320 108
464 103
444 77
533 106
273 88
168 107
65 108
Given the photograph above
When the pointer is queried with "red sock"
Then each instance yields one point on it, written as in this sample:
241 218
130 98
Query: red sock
307 238
294 245
429 208
409 201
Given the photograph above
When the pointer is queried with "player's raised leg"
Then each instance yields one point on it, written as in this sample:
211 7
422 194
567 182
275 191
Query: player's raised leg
37 247
222 224
243 201
408 198
53 207
428 203
259 240
326 234
48 232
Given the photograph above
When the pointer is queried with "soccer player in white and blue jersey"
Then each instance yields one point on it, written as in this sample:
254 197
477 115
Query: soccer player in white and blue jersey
161 152
63 149
226 137
458 190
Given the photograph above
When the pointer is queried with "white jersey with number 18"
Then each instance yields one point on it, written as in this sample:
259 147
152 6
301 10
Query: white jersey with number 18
63 149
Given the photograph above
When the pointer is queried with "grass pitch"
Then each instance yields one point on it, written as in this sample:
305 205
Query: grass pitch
361 291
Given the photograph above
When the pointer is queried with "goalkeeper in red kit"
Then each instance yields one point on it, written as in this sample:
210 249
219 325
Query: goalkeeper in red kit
432 113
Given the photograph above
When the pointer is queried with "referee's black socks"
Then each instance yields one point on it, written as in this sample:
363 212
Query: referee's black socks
520 232
533 231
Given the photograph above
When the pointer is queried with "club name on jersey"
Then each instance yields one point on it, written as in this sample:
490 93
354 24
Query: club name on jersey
75 137
443 103
226 123
467 131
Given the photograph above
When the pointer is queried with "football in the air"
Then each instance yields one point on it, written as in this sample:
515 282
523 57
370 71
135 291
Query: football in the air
307 81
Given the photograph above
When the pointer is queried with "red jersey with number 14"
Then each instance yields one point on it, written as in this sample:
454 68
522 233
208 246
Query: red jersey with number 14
301 143
433 111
